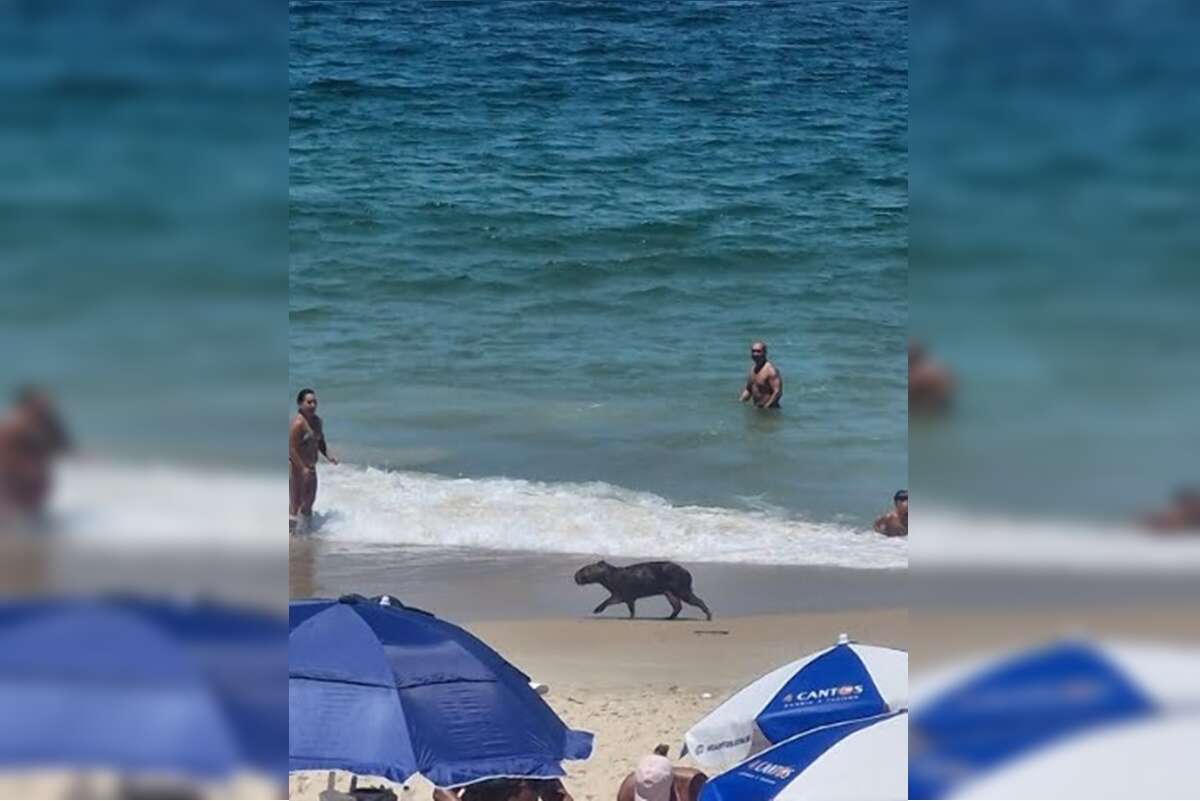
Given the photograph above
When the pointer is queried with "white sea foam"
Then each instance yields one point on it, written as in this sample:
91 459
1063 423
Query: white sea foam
173 504
958 539
361 506
104 503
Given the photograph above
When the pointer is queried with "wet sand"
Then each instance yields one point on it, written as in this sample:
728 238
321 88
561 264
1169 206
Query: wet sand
468 585
958 613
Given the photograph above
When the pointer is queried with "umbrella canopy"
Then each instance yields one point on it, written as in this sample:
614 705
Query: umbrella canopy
382 689
141 686
863 760
845 682
1154 758
986 716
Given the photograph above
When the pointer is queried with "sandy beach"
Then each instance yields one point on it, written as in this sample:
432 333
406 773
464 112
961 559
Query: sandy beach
960 613
636 684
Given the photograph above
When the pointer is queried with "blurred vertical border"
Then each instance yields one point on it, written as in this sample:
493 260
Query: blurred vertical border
1055 188
143 287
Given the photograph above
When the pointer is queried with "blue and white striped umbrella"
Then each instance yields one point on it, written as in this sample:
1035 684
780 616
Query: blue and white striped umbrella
846 682
1087 718
863 760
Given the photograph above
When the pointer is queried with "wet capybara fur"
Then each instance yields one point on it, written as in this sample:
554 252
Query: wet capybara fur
627 584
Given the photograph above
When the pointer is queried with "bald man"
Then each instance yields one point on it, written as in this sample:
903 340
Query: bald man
764 384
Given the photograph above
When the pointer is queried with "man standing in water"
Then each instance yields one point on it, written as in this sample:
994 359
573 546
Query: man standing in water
764 384
306 442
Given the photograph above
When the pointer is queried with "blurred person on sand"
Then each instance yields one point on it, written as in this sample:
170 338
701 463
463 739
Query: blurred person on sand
32 437
1182 514
764 384
306 443
894 523
507 790
656 779
930 386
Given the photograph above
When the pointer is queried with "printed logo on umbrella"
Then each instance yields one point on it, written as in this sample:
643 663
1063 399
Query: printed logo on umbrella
772 769
844 692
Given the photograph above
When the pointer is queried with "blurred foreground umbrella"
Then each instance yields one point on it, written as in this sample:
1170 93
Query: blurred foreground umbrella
381 689
141 686
845 682
863 760
1069 719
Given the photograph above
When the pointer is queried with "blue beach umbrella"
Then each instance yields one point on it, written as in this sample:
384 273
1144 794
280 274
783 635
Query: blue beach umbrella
863 760
1014 720
845 682
141 686
381 689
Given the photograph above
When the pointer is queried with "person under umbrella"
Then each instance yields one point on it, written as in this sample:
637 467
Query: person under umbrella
506 790
656 779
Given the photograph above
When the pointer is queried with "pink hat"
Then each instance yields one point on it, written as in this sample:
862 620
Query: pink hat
653 778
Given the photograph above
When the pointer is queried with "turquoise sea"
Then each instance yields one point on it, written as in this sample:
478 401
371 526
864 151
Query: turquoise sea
531 243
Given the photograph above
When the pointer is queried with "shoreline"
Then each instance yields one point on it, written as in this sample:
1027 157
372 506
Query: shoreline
476 585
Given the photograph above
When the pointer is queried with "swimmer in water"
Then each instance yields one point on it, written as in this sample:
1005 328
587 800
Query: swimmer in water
894 523
930 386
306 443
764 383
1181 515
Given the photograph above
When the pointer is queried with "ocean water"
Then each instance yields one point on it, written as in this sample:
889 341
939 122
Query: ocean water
143 215
1056 188
532 242
144 279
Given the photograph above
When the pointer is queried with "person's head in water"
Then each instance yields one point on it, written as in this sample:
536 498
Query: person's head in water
28 395
306 402
916 352
33 400
758 353
34 406
901 501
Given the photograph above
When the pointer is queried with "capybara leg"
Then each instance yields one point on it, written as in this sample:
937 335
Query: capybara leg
632 611
676 606
694 600
607 602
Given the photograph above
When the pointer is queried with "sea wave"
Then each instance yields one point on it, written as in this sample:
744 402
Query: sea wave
360 506
958 539
169 504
